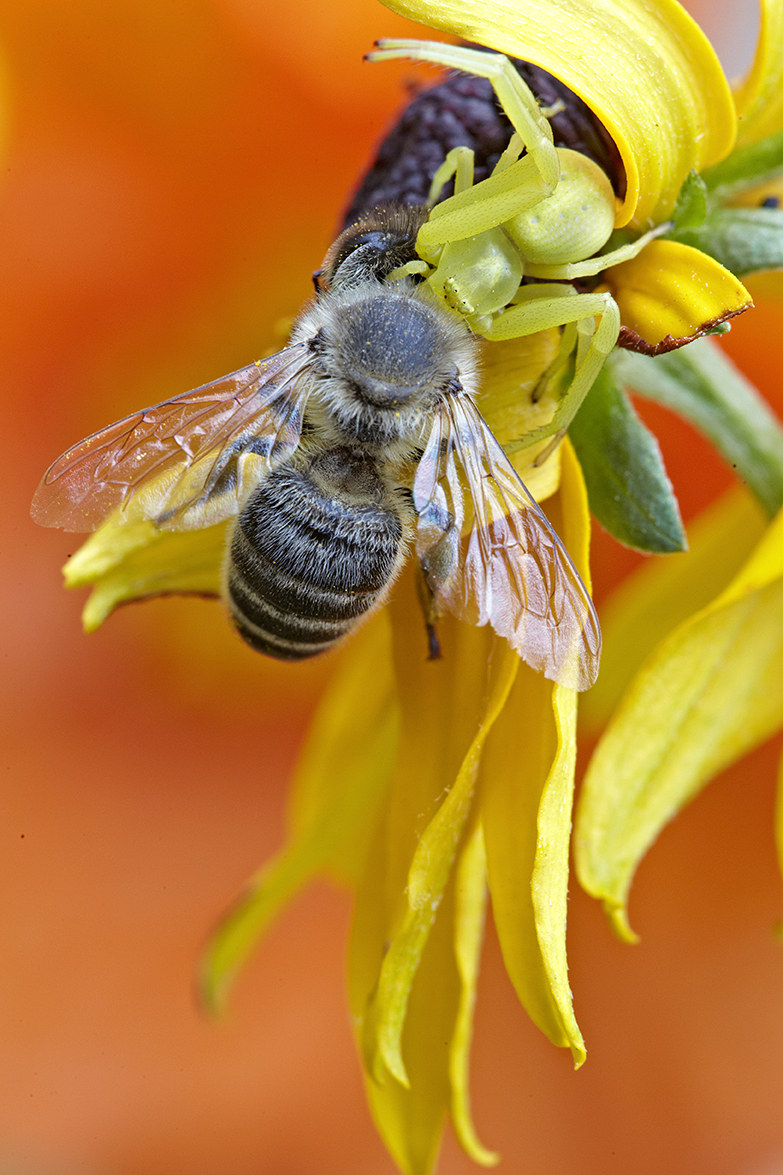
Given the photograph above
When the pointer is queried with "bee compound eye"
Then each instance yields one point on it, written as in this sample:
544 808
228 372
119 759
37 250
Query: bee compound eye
380 241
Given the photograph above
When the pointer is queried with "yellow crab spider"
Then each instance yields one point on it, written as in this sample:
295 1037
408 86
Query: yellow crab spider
542 216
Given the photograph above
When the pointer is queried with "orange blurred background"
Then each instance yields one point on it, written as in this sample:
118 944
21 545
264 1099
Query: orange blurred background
172 173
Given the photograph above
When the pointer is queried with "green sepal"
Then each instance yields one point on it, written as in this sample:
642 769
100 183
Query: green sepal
743 240
745 168
702 385
627 486
692 205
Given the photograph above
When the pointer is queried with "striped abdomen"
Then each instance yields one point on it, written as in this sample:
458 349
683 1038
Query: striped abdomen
314 549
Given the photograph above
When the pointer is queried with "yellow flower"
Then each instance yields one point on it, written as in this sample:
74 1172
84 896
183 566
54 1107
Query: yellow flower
428 786
466 769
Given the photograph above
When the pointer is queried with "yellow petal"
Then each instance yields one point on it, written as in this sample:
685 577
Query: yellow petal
709 693
469 917
526 813
346 762
123 563
671 294
766 285
342 774
779 817
511 371
755 197
571 513
759 100
526 801
665 592
647 71
549 881
410 1119
463 694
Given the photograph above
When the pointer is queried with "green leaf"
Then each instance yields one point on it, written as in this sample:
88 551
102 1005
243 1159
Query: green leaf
691 207
701 384
744 240
745 168
627 486
720 328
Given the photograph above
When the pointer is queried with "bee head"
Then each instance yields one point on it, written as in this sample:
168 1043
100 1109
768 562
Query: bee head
381 240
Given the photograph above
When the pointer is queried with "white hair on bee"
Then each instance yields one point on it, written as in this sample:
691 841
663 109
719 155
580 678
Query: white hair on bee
386 356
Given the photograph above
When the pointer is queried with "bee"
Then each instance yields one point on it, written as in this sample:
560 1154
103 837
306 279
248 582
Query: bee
358 443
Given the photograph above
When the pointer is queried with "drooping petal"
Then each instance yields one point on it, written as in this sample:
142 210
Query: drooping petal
341 776
409 1119
408 995
779 817
663 593
759 100
671 294
123 563
707 694
470 886
766 285
571 516
527 785
510 372
448 707
527 780
630 61
346 762
755 197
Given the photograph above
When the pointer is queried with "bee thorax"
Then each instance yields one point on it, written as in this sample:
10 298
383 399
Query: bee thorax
390 349
387 357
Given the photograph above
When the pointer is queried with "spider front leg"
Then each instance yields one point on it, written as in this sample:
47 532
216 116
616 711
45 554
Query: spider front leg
475 277
516 185
541 307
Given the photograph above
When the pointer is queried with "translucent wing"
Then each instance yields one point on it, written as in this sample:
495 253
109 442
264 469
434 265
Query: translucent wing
186 462
490 555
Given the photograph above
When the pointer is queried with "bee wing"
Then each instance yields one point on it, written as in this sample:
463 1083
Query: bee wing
490 555
186 462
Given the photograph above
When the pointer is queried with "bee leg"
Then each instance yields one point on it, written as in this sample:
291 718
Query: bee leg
430 611
434 653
